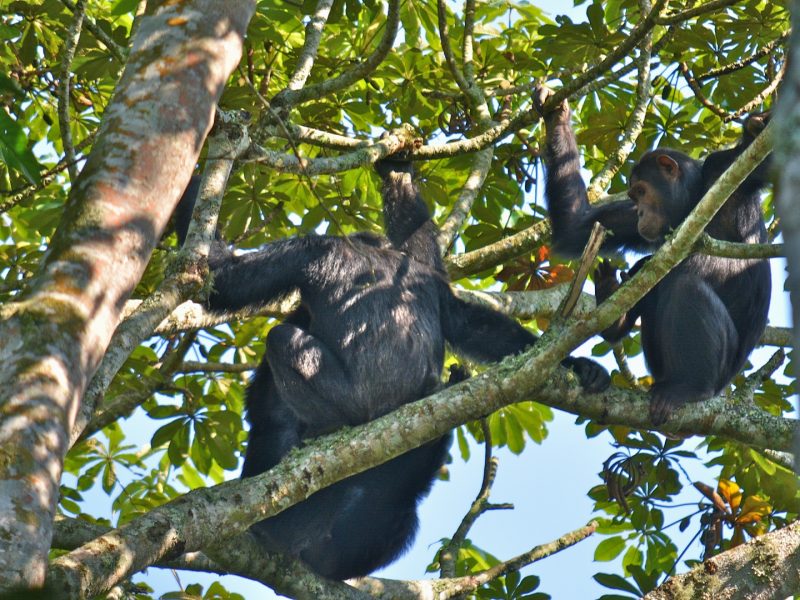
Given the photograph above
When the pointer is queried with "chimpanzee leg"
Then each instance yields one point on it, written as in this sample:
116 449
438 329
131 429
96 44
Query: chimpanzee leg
274 427
312 380
694 341
371 517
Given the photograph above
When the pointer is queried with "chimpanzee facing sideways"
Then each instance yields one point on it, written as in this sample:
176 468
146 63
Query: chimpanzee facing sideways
700 323
368 337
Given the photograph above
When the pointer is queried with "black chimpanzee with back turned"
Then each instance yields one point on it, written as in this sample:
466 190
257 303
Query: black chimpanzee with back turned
700 323
368 337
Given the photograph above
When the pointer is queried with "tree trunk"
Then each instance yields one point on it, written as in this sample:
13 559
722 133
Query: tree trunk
787 163
56 333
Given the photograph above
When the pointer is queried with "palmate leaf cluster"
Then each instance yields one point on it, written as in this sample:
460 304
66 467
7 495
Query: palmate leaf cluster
188 430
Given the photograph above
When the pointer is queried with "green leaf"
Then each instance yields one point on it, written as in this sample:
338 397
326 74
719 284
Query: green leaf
615 582
14 149
109 477
609 549
166 432
178 449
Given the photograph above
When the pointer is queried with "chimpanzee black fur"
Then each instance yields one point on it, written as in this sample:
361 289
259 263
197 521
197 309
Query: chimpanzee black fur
700 323
368 337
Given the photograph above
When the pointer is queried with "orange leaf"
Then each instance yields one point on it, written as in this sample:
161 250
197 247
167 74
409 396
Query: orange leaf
753 510
542 253
560 274
731 492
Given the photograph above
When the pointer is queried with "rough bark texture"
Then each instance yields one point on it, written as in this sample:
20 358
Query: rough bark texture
55 335
787 159
764 568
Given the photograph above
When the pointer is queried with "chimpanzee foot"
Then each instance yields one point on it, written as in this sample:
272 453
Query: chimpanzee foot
593 377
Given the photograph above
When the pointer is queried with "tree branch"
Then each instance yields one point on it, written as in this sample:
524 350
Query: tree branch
178 525
635 37
732 67
694 85
305 61
287 97
481 164
787 178
770 89
635 124
367 153
125 403
240 555
65 75
185 276
691 13
118 52
442 589
214 367
56 331
767 566
470 263
713 247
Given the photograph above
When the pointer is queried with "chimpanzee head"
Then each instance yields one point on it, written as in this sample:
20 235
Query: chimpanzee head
665 185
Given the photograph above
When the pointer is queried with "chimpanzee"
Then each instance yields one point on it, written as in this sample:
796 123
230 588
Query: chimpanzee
700 323
368 337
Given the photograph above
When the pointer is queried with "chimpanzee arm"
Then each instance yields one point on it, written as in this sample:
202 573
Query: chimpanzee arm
717 162
256 278
406 217
481 333
253 279
489 336
571 214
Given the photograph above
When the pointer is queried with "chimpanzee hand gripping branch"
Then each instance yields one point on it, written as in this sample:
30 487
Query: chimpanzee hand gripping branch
368 337
700 323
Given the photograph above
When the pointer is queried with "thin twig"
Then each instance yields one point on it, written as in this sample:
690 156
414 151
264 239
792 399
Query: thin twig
741 64
691 13
125 403
624 368
759 99
466 198
309 53
360 71
613 76
745 390
590 251
448 555
694 85
635 124
21 194
189 366
65 74
118 52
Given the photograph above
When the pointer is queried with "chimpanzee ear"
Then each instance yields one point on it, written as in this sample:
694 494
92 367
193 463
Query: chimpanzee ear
669 166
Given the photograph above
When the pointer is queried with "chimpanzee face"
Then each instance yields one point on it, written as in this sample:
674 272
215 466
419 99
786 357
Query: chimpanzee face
653 223
654 187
